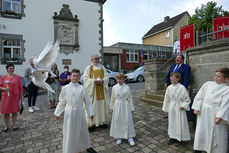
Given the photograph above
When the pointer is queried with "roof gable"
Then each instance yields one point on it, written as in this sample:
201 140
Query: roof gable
165 25
97 1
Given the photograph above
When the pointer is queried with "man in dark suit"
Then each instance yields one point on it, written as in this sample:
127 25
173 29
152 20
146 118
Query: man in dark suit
182 68
32 88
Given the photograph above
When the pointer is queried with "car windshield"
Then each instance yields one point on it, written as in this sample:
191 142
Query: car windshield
140 69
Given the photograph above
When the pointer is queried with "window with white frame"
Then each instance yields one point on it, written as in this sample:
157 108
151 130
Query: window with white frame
162 55
167 34
148 55
132 56
12 48
12 8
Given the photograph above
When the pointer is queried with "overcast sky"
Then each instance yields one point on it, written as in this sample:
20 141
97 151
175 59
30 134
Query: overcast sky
128 20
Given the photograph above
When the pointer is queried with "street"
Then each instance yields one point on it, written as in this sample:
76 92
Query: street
39 132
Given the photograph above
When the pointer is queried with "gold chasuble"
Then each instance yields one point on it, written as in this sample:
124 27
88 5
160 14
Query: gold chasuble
98 74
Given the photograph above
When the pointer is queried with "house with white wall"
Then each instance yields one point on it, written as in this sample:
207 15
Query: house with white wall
27 25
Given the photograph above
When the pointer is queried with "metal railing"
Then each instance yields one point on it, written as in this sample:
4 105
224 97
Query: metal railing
165 64
211 35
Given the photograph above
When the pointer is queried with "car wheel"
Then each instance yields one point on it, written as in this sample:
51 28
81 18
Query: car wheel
24 92
140 78
112 82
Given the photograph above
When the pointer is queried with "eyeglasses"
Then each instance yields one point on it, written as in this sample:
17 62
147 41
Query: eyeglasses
96 58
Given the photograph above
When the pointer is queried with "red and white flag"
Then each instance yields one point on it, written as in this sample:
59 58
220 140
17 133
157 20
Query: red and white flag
187 38
221 23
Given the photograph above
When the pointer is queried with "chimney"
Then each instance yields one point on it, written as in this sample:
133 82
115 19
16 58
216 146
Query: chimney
166 19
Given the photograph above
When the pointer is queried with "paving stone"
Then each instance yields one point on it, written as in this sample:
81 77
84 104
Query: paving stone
146 150
29 150
162 151
101 148
39 132
19 146
141 145
44 151
152 146
8 149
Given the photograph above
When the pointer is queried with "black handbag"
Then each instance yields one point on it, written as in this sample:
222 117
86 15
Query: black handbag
50 80
21 106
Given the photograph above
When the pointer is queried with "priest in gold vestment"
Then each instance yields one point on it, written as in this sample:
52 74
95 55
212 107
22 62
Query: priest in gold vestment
96 82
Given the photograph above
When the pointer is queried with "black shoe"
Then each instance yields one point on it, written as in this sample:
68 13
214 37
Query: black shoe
5 129
91 150
172 141
15 129
91 129
180 143
197 151
105 125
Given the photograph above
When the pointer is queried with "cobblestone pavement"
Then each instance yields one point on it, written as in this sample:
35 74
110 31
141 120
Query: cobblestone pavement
40 132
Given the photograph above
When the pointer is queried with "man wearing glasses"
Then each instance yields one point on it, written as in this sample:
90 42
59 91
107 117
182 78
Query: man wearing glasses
96 82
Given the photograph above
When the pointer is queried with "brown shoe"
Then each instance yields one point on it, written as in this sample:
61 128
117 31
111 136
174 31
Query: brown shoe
166 116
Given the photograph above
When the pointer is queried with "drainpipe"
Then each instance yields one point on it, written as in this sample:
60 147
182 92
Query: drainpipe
101 30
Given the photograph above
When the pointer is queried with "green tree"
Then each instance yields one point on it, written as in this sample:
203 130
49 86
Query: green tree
203 17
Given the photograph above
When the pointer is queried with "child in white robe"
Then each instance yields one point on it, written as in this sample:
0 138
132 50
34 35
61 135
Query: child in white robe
176 103
121 105
75 131
211 105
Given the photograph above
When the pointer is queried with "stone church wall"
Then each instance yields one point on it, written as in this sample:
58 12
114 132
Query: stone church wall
205 59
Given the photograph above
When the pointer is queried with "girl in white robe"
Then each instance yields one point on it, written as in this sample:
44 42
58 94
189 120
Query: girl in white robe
176 103
75 130
121 104
211 105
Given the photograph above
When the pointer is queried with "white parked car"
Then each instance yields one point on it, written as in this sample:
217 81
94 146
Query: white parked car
138 75
111 75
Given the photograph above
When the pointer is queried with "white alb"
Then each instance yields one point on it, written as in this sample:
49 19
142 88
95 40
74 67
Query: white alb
75 130
121 103
212 100
175 97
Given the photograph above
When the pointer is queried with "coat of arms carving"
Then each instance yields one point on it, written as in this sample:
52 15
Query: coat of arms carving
66 30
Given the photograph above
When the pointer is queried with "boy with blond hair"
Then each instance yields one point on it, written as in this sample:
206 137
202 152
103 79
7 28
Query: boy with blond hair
121 104
176 103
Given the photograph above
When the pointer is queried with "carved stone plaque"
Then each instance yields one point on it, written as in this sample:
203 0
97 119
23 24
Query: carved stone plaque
66 30
66 34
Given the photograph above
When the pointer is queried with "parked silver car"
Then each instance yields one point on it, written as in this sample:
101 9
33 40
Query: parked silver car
111 75
138 75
